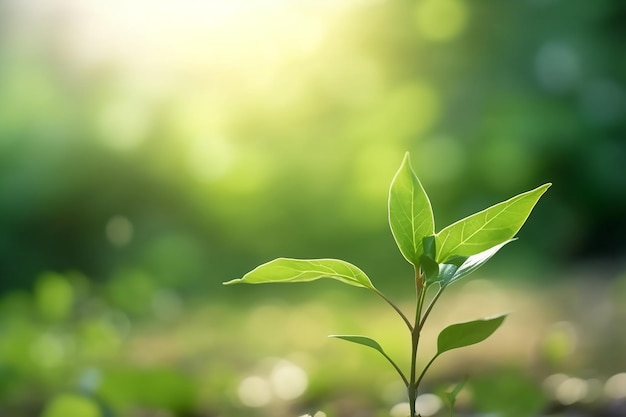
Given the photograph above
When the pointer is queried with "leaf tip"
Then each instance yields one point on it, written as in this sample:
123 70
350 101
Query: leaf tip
232 281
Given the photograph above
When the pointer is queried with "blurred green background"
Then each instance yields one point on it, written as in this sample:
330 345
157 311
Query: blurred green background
150 150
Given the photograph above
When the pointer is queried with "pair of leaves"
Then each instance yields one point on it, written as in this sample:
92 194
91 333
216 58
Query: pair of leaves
475 238
411 220
452 337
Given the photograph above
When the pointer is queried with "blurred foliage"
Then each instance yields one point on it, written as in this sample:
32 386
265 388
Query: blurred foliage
150 151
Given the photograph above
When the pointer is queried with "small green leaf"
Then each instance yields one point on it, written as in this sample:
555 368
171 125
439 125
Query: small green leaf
410 213
360 340
450 396
466 334
369 342
304 270
472 263
487 228
448 269
429 268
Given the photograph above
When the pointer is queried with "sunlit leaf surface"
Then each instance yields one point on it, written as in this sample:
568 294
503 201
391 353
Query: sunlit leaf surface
304 270
487 228
410 213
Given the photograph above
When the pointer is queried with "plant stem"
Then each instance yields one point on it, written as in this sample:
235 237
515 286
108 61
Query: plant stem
398 370
415 338
426 369
430 307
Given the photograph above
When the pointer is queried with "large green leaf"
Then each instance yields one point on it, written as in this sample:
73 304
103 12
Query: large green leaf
487 228
468 333
303 270
410 213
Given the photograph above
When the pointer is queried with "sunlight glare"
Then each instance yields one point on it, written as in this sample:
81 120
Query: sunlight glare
210 39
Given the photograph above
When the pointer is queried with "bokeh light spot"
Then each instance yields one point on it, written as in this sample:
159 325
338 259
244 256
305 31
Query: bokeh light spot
552 383
317 414
441 20
557 66
119 231
48 351
400 410
427 405
560 342
255 392
54 296
124 124
571 391
288 380
615 386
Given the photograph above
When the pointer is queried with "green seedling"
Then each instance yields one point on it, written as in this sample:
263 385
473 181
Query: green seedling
439 259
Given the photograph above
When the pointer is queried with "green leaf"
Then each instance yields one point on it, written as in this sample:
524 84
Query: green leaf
447 270
410 213
487 228
466 334
369 342
450 396
304 270
429 268
360 340
469 265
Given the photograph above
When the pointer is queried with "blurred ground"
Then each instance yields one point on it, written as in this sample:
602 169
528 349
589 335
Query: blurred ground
151 150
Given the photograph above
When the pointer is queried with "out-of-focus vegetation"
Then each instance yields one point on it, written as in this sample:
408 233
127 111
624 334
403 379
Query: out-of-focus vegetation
151 150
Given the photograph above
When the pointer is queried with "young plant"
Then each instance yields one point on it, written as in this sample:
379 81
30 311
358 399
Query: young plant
439 259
